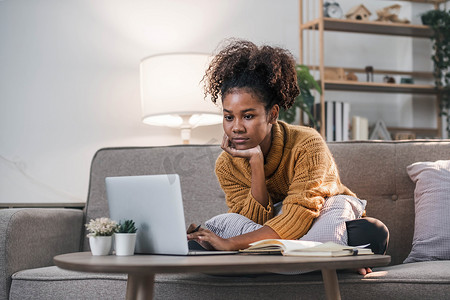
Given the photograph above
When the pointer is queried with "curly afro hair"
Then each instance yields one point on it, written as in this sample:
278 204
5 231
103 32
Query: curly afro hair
268 72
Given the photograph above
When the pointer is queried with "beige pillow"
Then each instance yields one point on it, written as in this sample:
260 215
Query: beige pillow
432 209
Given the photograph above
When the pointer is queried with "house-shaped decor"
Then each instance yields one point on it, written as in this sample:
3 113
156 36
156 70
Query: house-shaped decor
359 13
380 132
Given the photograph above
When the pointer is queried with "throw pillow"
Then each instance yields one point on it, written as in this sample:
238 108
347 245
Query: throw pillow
431 239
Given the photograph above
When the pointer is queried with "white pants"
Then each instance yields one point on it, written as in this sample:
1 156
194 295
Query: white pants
329 226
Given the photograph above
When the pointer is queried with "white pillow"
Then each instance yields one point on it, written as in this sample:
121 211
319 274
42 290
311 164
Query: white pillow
432 209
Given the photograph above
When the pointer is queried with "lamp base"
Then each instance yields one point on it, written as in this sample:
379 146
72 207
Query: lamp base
185 135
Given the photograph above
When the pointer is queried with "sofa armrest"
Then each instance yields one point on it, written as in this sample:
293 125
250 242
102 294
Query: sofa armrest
31 237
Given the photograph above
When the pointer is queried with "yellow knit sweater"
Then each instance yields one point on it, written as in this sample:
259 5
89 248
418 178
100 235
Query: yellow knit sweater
299 170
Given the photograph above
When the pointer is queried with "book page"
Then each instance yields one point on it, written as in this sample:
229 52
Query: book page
285 245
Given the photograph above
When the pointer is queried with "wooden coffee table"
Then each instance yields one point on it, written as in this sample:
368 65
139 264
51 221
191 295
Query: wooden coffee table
141 269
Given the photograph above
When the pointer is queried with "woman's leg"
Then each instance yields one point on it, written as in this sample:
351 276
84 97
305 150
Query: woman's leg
368 231
230 224
330 225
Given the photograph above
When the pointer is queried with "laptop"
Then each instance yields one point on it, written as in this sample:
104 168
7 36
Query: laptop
155 204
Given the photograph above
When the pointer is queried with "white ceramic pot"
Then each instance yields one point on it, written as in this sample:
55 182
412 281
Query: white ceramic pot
124 243
100 245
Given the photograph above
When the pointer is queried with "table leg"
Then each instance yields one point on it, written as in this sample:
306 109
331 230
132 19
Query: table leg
140 287
331 283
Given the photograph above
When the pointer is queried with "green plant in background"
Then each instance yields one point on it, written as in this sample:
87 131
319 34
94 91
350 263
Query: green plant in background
304 101
439 21
127 227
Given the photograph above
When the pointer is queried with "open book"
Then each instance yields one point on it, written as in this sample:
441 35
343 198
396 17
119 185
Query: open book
304 248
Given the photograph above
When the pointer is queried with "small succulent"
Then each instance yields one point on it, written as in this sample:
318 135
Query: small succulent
127 227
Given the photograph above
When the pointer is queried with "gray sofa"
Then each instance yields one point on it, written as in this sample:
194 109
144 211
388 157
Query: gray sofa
375 171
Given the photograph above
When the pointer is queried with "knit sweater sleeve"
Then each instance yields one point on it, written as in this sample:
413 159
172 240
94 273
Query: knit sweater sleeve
314 178
238 195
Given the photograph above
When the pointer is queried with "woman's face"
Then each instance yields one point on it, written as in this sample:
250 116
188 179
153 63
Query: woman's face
246 122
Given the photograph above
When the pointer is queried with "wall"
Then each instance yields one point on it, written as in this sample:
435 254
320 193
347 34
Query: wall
69 78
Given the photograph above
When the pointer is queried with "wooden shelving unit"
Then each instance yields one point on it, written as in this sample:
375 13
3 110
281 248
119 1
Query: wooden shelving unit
376 87
373 27
321 24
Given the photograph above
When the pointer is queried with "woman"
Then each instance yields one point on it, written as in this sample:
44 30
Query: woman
266 162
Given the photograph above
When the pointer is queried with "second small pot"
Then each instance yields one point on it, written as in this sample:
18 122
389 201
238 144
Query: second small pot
124 243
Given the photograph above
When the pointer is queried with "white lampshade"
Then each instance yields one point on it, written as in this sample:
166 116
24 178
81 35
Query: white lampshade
172 94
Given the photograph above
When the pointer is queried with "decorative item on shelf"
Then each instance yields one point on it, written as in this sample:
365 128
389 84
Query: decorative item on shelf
404 135
439 21
351 76
334 73
390 14
358 13
100 235
388 79
380 132
172 95
304 101
369 73
125 238
407 80
332 10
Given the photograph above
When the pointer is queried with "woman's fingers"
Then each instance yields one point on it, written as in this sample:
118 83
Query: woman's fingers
202 233
224 142
191 228
210 240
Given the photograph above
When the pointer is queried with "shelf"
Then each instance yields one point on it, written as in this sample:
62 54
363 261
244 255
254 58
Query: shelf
418 131
414 74
372 27
357 86
427 1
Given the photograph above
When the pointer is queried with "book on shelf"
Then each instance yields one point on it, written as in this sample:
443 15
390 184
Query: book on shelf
360 128
338 125
345 121
337 120
304 248
330 126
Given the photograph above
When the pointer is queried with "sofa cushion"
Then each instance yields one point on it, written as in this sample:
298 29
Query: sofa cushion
432 207
202 196
56 283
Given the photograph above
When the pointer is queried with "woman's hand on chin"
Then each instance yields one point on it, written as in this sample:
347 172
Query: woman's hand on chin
210 240
250 153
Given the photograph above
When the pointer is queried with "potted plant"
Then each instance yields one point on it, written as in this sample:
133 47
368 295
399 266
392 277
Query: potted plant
304 101
439 21
125 238
100 235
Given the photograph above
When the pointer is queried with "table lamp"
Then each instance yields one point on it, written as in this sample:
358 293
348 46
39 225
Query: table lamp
172 94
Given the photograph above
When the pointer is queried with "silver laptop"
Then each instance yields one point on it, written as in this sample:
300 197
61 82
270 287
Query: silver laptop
155 204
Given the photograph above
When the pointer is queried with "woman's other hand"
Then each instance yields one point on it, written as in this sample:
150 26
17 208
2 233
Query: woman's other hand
208 240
